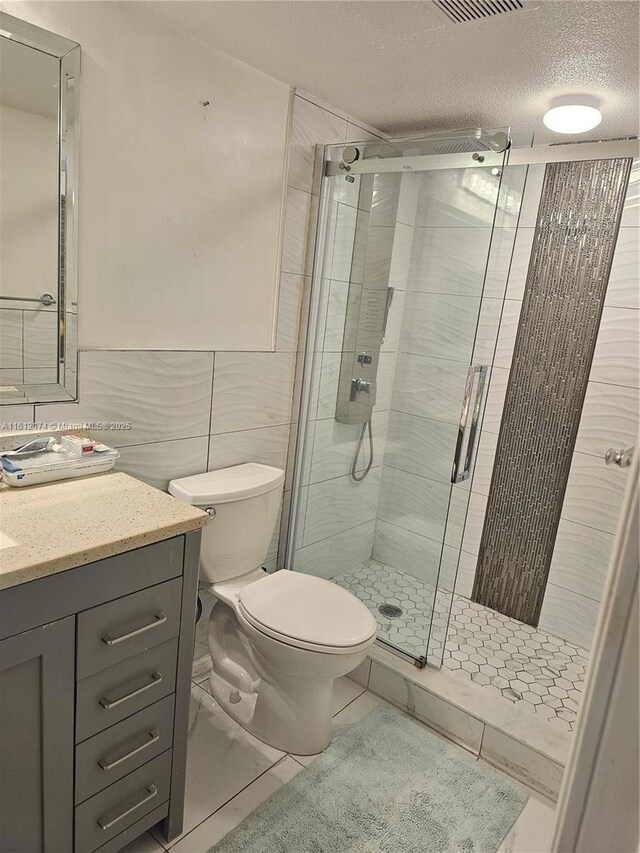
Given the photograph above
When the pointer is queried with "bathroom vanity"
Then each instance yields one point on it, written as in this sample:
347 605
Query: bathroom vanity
97 617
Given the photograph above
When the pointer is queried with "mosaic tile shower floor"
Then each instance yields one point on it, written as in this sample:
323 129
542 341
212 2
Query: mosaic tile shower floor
518 662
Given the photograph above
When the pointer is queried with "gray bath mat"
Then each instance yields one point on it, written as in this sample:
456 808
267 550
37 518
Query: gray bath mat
385 785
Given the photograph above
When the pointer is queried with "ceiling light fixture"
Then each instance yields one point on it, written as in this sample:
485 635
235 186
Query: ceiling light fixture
573 114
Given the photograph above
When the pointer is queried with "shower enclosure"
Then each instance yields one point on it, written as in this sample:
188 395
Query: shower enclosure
412 260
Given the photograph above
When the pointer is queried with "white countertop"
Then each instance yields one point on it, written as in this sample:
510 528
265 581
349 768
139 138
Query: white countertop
59 526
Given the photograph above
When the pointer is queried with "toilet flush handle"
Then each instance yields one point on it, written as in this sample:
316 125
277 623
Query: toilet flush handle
211 511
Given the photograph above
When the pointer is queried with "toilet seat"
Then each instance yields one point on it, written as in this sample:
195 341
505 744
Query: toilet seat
307 612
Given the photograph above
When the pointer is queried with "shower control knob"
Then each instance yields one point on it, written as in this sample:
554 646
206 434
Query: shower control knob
359 386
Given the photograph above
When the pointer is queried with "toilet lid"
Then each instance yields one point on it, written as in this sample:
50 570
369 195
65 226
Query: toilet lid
308 609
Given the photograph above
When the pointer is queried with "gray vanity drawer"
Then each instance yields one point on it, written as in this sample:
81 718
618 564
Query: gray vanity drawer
111 811
127 626
112 695
111 754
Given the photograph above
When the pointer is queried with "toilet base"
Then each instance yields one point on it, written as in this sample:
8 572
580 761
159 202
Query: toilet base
296 717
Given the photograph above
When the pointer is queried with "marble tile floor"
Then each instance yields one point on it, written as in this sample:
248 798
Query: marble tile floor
543 674
230 773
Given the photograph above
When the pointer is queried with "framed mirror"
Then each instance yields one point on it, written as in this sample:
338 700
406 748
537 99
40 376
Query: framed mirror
39 99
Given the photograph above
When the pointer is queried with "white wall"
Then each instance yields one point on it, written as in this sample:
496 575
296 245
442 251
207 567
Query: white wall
180 204
189 411
196 411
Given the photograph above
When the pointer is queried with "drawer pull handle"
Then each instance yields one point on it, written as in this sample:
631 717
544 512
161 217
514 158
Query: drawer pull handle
153 737
108 822
159 619
108 704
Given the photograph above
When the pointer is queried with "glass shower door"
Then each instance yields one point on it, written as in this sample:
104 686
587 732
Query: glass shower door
408 291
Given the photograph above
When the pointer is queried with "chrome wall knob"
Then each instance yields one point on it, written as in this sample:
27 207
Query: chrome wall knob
350 154
361 386
499 142
619 456
611 456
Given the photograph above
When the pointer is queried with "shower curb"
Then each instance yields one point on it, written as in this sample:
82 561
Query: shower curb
495 729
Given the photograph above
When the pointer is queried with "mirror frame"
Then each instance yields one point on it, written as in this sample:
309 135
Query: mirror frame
68 55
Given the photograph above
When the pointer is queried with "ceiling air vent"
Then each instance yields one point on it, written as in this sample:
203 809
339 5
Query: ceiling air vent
461 11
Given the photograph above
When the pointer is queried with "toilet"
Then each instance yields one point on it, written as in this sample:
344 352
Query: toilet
277 641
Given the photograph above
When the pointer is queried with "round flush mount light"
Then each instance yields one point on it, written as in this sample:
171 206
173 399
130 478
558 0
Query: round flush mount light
573 114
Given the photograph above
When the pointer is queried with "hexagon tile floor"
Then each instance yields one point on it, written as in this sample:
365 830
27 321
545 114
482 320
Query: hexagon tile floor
511 659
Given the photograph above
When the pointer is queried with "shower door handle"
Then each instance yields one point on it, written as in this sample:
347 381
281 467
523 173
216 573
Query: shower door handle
466 448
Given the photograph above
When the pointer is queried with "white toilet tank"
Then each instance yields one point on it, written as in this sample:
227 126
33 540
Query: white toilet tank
243 503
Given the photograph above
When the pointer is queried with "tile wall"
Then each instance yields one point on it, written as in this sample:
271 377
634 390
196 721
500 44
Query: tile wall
172 414
28 345
455 283
609 418
498 381
335 520
399 512
411 477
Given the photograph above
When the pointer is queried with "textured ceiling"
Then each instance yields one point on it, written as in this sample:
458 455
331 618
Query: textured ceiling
398 66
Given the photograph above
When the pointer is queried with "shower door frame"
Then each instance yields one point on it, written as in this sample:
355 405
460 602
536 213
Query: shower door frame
331 169
516 156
